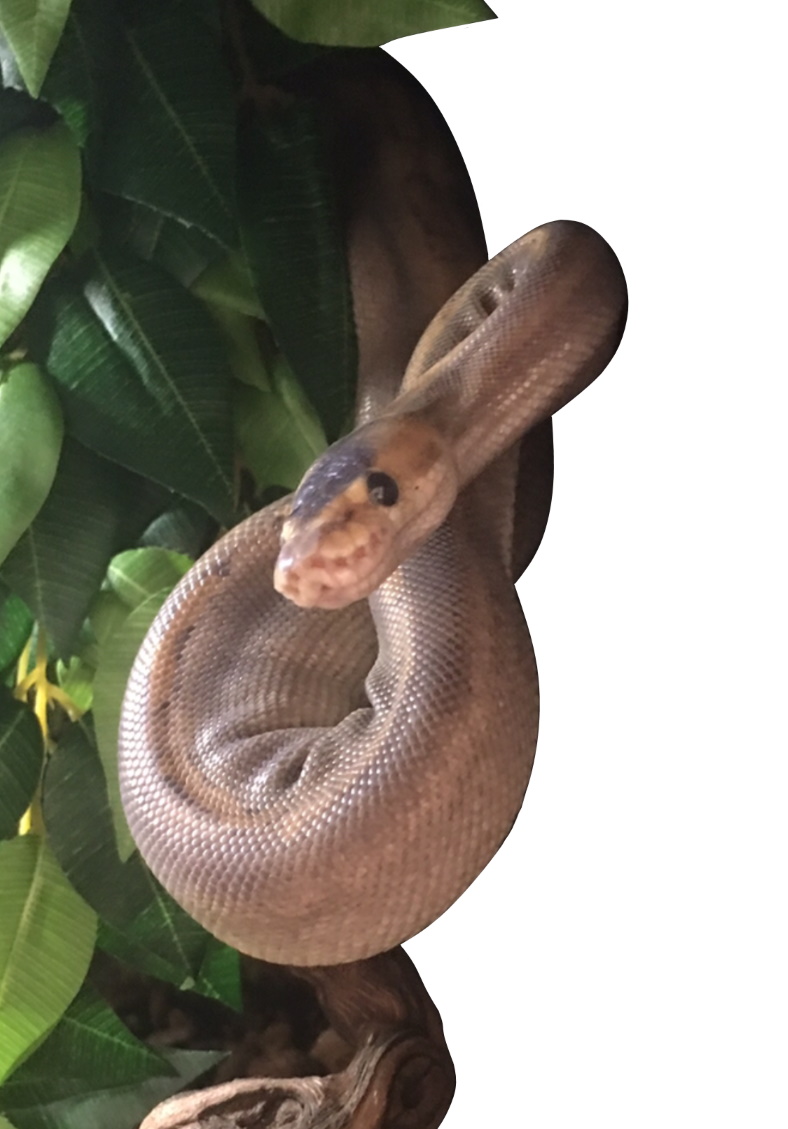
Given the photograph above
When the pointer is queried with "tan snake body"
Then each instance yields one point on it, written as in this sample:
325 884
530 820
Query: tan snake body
313 796
314 786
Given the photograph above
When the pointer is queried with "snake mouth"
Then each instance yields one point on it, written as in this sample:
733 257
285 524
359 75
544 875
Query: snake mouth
331 565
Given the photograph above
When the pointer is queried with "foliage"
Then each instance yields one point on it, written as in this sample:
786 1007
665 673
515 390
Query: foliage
176 346
360 23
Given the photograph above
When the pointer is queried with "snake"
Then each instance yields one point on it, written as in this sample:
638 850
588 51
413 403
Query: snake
330 726
329 729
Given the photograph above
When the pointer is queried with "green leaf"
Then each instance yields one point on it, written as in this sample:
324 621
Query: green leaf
33 29
127 326
47 935
169 140
246 342
109 686
138 574
40 184
368 23
75 674
183 528
183 251
31 434
141 923
273 54
228 283
16 623
88 1047
75 678
18 109
80 829
21 760
94 509
162 941
107 612
220 975
294 242
80 79
122 1107
277 431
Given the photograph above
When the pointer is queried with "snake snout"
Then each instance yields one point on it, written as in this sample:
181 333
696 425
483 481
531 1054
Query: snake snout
329 565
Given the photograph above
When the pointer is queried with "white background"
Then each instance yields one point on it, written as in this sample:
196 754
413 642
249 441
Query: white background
623 960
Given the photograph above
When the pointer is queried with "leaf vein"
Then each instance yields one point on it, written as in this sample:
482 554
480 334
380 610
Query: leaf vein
156 361
176 121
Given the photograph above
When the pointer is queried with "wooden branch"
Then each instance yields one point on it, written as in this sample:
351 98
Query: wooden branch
400 1076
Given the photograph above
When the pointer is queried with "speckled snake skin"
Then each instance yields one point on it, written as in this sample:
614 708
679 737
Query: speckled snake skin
317 786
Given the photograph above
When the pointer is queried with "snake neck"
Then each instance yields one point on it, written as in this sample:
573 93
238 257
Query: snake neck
518 341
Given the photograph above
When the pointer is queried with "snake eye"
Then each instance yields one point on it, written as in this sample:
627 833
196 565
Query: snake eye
382 488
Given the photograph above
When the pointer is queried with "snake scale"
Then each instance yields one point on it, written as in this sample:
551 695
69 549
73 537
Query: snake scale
317 783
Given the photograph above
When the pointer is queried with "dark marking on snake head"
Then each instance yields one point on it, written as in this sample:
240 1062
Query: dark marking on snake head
332 473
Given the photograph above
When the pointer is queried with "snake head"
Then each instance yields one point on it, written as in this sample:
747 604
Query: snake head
361 509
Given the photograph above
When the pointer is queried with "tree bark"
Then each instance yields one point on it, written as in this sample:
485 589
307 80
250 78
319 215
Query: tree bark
400 1076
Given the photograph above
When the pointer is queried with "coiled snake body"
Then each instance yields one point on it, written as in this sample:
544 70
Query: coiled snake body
315 785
